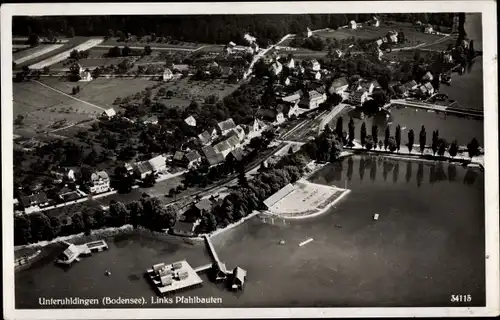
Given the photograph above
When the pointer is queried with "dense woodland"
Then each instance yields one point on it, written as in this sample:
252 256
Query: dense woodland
206 28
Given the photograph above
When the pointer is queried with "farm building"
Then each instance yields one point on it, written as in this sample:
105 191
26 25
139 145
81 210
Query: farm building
309 33
426 89
192 158
314 65
375 22
428 29
225 126
109 113
191 121
99 182
226 146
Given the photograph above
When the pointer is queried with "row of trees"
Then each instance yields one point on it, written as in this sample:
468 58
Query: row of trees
149 212
393 143
126 52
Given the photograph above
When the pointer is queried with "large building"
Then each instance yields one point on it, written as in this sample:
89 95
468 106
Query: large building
358 97
312 100
224 127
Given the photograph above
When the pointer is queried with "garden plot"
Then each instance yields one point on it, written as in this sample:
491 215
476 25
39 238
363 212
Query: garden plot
65 55
189 90
33 53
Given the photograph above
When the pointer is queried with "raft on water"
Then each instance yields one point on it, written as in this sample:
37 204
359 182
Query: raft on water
305 242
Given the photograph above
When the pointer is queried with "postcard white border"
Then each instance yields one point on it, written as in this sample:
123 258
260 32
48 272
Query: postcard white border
488 10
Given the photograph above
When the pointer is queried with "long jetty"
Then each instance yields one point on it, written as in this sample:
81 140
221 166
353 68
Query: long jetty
211 249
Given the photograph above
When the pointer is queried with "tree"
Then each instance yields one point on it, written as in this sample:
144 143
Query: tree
147 50
375 135
327 130
411 140
119 213
392 144
473 148
33 40
46 70
22 230
71 32
422 139
398 137
242 179
126 51
363 134
114 52
149 180
340 127
386 139
435 138
369 143
442 147
351 131
453 149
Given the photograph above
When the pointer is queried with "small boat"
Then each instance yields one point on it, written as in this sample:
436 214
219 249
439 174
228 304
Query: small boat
107 273
282 242
375 216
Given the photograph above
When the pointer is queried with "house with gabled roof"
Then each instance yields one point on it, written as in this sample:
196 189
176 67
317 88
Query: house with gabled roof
167 75
158 163
142 169
411 85
225 126
212 157
239 132
109 113
192 159
275 116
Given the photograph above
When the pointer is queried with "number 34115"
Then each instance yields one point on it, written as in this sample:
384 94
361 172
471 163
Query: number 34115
461 298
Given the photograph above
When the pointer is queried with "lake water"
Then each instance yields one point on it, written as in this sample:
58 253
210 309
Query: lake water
427 245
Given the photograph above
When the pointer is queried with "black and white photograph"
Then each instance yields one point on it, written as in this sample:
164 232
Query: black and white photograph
292 159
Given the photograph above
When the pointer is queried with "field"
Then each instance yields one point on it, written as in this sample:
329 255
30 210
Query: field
369 32
35 52
43 107
65 54
186 90
101 91
67 46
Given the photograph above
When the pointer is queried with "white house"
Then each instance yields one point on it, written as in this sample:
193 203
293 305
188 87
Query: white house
290 64
358 97
309 33
191 121
193 158
352 24
315 66
276 68
428 29
85 76
375 22
379 42
447 58
142 169
158 163
239 132
427 77
109 113
167 74
99 182
287 81
426 89
337 53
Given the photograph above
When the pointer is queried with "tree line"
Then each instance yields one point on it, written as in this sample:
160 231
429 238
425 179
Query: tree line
203 28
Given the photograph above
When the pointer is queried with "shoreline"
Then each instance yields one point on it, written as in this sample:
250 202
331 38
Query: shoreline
317 213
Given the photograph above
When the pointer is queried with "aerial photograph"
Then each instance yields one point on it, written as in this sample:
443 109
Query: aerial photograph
248 160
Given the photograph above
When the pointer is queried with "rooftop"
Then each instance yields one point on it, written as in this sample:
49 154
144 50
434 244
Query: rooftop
173 277
227 124
213 157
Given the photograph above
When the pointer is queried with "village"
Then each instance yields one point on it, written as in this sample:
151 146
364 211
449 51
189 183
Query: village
293 89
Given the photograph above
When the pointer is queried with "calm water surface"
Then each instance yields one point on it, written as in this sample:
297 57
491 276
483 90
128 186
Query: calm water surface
427 244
